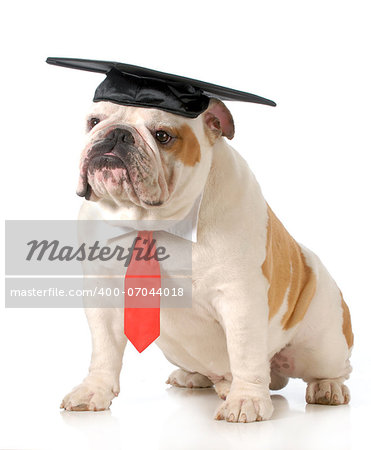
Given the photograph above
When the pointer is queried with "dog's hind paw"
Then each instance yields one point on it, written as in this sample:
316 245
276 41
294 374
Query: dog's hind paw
182 378
222 388
327 392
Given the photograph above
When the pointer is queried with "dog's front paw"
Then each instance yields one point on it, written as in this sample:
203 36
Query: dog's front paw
245 408
91 395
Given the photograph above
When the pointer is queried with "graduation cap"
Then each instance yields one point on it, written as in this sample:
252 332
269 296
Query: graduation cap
130 85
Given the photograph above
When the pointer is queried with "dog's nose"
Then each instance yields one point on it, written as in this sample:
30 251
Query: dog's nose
121 135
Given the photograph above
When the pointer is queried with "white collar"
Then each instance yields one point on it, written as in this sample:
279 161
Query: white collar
185 228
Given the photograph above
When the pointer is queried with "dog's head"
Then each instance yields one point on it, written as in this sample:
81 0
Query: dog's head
146 157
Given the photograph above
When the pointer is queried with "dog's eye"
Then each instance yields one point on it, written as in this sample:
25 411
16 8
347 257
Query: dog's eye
163 137
92 122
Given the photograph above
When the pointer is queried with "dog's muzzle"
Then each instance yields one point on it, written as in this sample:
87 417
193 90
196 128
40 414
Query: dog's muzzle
121 164
112 151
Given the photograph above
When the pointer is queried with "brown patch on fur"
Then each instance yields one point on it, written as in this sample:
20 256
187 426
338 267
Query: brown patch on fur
186 147
347 324
285 268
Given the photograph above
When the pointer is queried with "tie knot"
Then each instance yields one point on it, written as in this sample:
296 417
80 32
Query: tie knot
145 235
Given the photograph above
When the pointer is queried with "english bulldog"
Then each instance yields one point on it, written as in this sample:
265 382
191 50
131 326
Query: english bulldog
264 308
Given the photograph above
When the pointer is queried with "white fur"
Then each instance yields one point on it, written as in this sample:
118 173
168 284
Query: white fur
225 336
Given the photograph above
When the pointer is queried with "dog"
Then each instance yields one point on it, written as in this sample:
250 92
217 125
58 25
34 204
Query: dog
265 310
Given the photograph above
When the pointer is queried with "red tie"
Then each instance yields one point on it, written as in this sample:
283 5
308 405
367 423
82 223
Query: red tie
142 294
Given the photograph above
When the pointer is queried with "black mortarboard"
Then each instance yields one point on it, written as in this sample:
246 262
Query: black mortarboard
137 86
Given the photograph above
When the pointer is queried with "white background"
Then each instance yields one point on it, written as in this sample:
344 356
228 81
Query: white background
310 155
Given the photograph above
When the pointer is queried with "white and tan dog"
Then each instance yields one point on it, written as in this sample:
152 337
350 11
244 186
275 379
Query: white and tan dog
264 310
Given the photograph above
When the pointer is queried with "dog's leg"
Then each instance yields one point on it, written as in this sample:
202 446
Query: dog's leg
322 346
325 372
248 399
182 378
277 382
102 384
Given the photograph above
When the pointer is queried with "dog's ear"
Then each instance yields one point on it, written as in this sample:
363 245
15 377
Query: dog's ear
218 120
